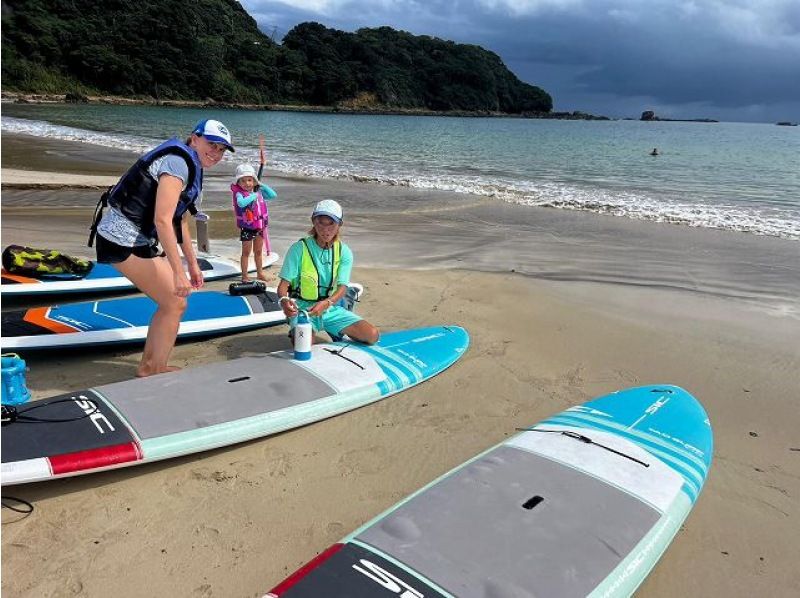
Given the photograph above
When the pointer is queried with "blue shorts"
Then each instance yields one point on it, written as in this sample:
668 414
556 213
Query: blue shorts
333 320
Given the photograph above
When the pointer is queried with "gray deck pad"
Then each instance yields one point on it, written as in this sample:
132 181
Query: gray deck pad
204 396
471 535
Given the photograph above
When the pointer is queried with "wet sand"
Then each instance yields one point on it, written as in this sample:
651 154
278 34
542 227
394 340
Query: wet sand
594 305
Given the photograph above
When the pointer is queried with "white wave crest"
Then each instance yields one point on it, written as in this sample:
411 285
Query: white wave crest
760 220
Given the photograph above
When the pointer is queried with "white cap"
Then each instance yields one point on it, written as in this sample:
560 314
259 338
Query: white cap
244 170
328 207
215 131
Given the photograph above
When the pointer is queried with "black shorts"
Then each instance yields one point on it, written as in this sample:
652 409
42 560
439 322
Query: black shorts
248 234
111 253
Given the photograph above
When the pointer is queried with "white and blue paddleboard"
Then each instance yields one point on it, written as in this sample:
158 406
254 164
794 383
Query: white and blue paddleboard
198 409
125 320
582 504
104 278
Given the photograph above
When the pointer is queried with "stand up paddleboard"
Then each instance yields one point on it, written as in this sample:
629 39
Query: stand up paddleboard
125 320
582 504
104 278
216 405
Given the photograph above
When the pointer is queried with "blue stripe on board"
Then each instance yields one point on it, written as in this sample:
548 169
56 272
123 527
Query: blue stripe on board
690 487
393 381
400 377
655 439
680 453
102 271
415 373
384 360
639 438
110 314
687 472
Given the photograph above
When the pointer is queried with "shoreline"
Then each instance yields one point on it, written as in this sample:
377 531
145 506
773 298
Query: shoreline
15 97
572 246
558 313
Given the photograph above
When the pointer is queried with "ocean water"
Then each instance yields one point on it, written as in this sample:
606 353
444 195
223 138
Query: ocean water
734 176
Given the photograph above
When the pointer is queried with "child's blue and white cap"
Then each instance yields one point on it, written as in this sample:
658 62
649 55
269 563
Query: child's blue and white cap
328 207
215 131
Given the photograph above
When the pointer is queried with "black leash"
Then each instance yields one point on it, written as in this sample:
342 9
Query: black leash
17 505
587 440
11 413
338 353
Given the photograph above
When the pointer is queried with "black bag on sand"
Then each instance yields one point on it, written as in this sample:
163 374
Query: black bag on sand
41 263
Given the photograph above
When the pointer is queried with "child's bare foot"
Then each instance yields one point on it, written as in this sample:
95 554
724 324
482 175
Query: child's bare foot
263 277
246 279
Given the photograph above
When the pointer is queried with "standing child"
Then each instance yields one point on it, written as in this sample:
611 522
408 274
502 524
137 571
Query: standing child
250 199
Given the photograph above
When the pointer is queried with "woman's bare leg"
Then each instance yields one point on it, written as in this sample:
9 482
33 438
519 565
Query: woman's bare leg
363 332
155 279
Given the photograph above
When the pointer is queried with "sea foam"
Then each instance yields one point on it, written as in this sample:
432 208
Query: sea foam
769 220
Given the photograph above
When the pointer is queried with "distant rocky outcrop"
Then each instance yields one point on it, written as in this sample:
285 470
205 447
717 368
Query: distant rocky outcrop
649 115
786 123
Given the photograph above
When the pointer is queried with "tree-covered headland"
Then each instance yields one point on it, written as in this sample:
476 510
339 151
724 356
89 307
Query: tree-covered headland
213 50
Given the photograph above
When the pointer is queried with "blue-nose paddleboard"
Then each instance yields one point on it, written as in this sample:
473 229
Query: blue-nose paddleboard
198 409
125 320
581 504
104 278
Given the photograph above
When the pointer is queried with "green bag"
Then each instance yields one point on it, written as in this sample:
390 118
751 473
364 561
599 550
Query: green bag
41 263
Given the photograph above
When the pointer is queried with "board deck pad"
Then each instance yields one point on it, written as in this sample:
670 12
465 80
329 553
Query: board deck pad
104 278
216 405
582 504
221 393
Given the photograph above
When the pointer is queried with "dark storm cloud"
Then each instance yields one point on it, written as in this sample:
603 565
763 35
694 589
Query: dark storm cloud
731 59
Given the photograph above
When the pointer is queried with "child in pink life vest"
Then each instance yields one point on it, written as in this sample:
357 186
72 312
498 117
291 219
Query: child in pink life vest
250 199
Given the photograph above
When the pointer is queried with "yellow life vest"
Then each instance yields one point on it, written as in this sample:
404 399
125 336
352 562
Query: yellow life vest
306 287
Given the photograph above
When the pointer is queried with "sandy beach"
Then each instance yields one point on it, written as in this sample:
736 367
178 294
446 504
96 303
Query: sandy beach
560 306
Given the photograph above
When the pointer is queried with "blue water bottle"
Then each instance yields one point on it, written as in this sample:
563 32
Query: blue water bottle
15 392
302 337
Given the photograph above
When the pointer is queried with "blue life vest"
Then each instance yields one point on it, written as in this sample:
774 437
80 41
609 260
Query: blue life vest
135 193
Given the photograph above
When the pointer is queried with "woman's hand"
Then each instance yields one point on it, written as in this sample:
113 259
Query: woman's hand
196 276
182 285
289 307
320 307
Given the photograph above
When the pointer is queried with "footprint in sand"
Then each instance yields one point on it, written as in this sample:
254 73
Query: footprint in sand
361 461
277 464
335 528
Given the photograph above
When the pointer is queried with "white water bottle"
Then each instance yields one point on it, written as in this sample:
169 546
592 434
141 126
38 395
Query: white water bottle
302 337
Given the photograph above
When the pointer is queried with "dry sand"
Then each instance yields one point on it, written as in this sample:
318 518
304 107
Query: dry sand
235 521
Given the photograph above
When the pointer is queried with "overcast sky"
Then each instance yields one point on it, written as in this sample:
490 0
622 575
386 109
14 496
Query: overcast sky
725 59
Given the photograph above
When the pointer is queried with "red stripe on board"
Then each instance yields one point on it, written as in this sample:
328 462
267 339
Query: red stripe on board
95 458
295 577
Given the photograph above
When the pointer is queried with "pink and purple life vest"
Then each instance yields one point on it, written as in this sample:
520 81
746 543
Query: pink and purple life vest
253 216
